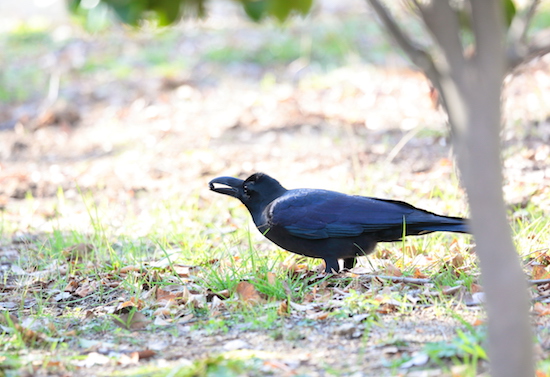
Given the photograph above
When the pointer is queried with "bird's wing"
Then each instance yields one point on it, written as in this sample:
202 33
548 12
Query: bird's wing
319 214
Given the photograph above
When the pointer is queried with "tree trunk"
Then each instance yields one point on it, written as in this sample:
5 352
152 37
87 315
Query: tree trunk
470 88
476 120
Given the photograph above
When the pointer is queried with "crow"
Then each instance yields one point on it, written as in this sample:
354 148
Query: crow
328 224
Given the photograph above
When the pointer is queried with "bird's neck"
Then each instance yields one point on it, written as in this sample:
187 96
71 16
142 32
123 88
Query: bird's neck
258 209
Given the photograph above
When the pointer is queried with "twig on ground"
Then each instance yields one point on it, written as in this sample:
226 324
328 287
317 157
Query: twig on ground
398 279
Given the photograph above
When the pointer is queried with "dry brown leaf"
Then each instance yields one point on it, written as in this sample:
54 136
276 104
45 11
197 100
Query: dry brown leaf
224 294
282 310
383 254
85 289
145 354
457 261
391 270
71 286
476 288
80 251
163 296
271 278
539 272
126 269
248 293
419 274
128 359
132 303
541 309
294 268
411 251
131 320
182 271
386 308
161 311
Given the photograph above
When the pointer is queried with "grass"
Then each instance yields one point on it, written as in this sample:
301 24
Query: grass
191 233
221 264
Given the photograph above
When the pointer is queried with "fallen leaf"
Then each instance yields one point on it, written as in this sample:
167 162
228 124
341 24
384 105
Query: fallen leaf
541 309
475 288
282 310
419 274
248 293
85 289
145 354
126 269
383 254
411 251
131 320
539 272
132 303
271 278
386 308
80 251
181 270
457 261
392 270
164 297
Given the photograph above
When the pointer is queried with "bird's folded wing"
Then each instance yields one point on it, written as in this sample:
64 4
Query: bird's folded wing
319 214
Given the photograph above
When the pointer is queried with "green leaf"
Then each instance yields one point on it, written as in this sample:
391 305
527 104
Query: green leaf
255 9
303 6
509 11
280 9
129 11
167 11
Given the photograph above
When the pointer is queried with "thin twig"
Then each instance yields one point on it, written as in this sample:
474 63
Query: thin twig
518 50
540 298
538 282
398 279
418 56
520 24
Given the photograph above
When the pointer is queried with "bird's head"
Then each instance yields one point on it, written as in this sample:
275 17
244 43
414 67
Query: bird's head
258 189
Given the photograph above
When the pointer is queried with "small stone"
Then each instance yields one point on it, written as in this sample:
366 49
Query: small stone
236 344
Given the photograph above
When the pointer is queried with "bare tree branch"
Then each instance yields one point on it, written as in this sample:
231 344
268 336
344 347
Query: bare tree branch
517 32
518 51
442 21
539 46
418 56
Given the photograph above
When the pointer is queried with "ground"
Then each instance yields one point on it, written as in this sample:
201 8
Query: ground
108 141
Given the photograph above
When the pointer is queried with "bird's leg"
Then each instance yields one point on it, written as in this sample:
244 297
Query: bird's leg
349 263
332 266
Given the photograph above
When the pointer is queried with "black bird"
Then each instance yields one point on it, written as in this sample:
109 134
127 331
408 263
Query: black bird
328 224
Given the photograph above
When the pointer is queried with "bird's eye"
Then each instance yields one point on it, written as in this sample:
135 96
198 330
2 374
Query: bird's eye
246 190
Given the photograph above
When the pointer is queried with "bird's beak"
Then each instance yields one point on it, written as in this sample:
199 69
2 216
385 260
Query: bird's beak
233 186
